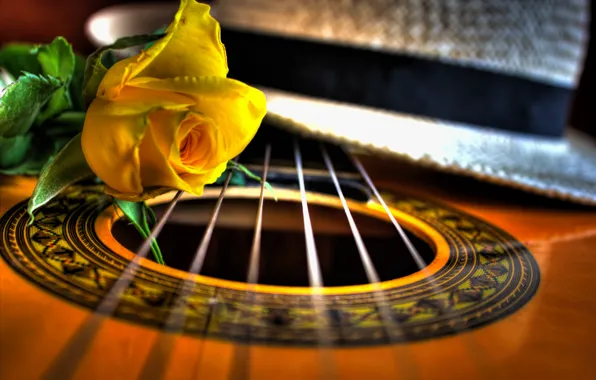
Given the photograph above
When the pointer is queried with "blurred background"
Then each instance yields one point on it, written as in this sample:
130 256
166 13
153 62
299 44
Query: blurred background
40 21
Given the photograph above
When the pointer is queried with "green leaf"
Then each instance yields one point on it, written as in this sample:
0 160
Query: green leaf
76 84
6 79
58 61
139 214
250 174
152 220
96 69
67 124
16 58
32 165
109 59
70 118
13 150
22 101
236 180
41 150
46 143
158 31
69 166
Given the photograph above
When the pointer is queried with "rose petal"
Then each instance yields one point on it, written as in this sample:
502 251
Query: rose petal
198 181
167 126
235 108
156 170
207 149
159 157
110 144
134 100
192 46
149 193
164 127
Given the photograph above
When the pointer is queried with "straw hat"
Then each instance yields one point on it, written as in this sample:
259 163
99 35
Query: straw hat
476 87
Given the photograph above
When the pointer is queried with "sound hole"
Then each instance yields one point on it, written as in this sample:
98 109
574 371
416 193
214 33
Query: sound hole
283 251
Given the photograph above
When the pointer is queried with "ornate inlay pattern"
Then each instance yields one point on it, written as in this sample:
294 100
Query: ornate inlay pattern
488 275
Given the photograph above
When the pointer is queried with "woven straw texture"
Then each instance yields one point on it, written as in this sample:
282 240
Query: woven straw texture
557 168
539 39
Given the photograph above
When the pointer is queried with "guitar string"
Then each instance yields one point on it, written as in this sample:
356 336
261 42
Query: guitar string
64 366
314 272
471 344
177 315
382 303
240 367
255 252
413 251
197 266
176 319
315 276
110 301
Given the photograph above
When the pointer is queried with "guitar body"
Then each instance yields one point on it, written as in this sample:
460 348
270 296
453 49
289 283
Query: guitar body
513 294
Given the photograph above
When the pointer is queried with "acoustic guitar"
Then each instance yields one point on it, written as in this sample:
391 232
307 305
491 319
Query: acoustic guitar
362 268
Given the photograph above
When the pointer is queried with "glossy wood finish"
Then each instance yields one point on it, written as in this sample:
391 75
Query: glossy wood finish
552 337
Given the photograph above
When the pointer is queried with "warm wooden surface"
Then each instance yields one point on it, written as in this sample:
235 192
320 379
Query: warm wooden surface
553 337
550 338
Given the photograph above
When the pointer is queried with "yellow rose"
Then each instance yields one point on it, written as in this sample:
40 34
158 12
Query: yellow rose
169 118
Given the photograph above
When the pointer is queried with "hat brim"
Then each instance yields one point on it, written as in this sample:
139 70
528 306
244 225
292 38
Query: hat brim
559 168
562 168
